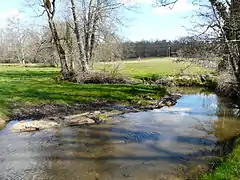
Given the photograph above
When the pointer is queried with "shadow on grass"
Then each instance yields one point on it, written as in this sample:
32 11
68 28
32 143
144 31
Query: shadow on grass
38 87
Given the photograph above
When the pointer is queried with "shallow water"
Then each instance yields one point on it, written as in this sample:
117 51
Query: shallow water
141 146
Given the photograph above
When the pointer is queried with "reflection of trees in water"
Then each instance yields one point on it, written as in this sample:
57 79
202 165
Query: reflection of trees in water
225 129
72 152
227 108
209 102
223 148
99 144
220 106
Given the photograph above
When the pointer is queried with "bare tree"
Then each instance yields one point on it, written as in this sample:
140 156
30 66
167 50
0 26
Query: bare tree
83 55
17 33
70 46
109 49
77 33
50 9
91 24
221 24
44 50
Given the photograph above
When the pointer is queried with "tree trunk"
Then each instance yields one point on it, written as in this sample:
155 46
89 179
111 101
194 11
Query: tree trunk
50 10
22 56
83 60
69 43
60 50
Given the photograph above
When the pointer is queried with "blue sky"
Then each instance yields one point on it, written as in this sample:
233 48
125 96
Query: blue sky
159 23
148 23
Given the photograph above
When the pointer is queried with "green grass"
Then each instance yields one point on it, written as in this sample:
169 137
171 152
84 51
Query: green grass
152 66
33 85
229 169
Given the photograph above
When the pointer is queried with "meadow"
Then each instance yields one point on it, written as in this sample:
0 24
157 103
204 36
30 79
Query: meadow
149 67
30 86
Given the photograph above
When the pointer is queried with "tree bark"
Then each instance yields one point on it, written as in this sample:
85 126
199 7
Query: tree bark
83 60
60 50
50 10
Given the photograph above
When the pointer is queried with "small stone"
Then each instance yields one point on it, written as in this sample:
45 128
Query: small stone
97 112
168 103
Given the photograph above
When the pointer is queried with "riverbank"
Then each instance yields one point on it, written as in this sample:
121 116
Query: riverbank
33 120
33 92
155 142
228 167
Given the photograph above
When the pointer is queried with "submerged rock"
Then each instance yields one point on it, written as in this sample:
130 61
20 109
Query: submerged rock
29 126
168 100
80 121
83 118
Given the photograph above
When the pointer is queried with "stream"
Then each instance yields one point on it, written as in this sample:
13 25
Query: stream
144 145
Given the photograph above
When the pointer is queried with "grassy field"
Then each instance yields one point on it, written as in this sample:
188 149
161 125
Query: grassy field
33 85
151 66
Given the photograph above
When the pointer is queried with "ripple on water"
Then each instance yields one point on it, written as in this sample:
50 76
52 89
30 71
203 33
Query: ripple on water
143 145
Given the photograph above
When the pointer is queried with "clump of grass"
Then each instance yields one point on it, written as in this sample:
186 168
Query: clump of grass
102 78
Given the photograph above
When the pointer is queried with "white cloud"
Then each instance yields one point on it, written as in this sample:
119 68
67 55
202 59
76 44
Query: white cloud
181 6
9 13
144 33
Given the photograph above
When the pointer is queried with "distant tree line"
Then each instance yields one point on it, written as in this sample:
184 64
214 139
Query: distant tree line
144 48
185 47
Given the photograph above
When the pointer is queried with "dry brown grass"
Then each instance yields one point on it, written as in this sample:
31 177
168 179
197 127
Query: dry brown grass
102 78
2 123
226 128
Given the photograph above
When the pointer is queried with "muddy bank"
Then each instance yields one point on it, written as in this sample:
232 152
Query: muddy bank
55 115
20 112
52 111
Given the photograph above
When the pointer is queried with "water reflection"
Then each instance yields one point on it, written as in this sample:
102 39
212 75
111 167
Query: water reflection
145 145
226 128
